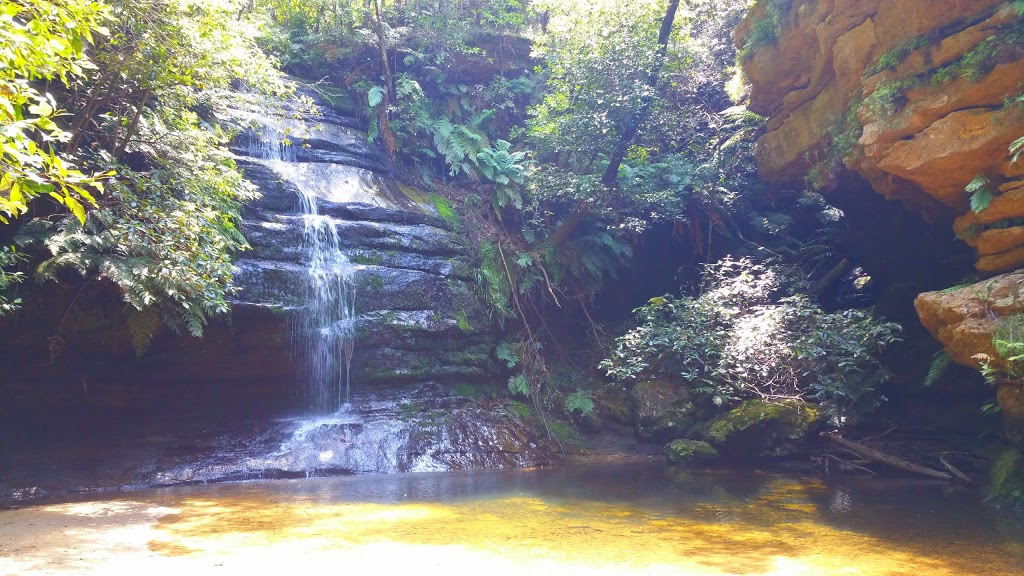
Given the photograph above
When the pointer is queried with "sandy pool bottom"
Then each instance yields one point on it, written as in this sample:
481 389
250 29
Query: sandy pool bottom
260 529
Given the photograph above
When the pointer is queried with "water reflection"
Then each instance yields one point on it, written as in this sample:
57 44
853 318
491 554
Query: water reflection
610 519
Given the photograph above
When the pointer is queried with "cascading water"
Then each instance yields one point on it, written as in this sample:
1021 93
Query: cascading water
326 324
323 332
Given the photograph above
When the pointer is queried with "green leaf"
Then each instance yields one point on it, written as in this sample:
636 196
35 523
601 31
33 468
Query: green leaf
375 96
76 208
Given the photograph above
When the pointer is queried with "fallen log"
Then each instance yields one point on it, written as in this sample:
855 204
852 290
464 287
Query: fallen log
872 454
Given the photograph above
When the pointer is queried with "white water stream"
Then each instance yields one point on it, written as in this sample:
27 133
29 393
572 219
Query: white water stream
323 333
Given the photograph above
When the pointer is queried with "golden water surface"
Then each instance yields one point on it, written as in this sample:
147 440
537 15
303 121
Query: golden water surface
624 519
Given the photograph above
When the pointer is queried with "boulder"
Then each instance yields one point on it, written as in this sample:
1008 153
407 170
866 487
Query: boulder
965 320
661 410
759 429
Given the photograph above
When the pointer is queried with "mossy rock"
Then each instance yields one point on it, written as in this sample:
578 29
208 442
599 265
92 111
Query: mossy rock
612 403
686 452
758 428
1006 484
662 411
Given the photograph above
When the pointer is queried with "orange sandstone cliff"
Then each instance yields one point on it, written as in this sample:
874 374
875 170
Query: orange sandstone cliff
923 99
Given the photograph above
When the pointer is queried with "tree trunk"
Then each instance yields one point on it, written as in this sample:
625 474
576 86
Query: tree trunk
611 174
133 126
383 45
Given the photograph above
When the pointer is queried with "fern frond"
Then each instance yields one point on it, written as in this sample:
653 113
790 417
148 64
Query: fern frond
1017 149
142 326
981 193
375 96
940 364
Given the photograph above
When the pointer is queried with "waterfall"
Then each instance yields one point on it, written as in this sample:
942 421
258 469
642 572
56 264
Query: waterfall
323 332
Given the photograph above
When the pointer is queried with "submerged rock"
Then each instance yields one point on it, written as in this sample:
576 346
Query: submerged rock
758 428
685 452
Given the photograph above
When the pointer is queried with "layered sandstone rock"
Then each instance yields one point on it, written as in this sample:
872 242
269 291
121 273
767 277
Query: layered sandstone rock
965 320
942 121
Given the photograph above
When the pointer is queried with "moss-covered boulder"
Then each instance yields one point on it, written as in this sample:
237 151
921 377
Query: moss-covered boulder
686 452
662 411
758 429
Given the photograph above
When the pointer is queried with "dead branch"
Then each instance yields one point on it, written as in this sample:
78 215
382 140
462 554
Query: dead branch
955 471
851 464
884 458
877 436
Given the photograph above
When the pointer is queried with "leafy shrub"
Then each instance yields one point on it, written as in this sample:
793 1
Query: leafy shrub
744 337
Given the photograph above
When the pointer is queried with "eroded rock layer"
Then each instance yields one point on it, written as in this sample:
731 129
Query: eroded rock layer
418 316
919 97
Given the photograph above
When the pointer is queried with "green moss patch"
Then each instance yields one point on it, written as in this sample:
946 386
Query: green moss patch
759 428
1006 485
685 451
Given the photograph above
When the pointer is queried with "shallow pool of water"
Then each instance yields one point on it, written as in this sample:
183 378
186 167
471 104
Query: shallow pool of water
619 518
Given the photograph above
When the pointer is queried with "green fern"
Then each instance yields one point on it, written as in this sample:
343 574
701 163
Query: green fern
1008 339
1017 148
142 326
375 96
9 258
940 364
981 193
518 385
581 401
506 352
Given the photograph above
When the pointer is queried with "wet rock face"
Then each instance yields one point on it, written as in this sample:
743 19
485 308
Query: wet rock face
921 88
417 314
412 428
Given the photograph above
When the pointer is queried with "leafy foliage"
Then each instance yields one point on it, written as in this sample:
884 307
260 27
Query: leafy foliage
139 103
743 337
765 29
940 364
9 258
43 41
1017 148
519 385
